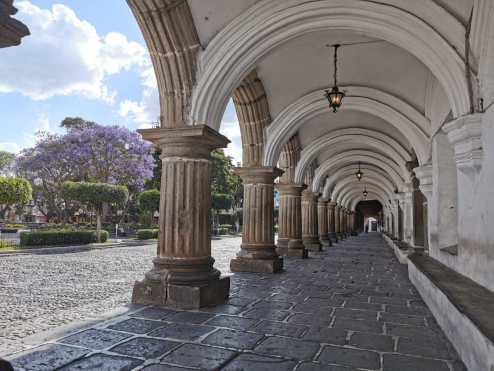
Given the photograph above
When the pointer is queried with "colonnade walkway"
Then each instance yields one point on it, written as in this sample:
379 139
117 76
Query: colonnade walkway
347 308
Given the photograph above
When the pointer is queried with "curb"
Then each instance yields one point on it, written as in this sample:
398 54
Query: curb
74 248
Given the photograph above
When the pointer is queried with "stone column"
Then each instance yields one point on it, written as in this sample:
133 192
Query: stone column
337 229
291 218
183 273
322 221
408 217
258 252
332 222
310 235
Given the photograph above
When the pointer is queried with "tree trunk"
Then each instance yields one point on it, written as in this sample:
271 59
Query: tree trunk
98 226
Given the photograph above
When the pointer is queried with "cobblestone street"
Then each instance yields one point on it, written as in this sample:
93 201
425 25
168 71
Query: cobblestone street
41 292
351 307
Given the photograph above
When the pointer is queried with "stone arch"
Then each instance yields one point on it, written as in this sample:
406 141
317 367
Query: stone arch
349 139
350 170
365 157
350 180
236 49
411 123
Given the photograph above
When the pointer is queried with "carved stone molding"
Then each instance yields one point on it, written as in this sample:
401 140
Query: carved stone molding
465 135
11 30
424 175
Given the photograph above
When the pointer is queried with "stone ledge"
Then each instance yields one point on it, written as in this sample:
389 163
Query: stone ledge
397 246
463 309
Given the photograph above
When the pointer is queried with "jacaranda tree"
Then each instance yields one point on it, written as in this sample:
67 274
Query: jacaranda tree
95 196
86 152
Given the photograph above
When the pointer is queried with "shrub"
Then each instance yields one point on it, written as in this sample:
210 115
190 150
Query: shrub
4 244
60 237
147 234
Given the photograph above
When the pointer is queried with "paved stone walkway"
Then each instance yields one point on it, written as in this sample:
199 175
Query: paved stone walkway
349 308
42 292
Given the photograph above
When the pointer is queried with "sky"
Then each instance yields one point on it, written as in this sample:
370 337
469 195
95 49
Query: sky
84 58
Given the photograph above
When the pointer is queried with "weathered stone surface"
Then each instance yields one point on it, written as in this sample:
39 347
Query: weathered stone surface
103 362
374 342
163 367
145 347
359 325
95 338
350 357
196 318
154 313
248 362
280 329
274 265
199 356
136 326
48 357
233 339
236 323
312 366
182 331
326 335
288 348
392 362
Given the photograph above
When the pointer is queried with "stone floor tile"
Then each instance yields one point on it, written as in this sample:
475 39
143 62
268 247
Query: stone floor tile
279 328
234 322
240 301
254 362
313 366
199 356
103 362
136 326
395 362
266 313
154 313
223 309
233 339
274 304
326 335
196 318
355 314
403 319
181 331
353 304
310 308
144 347
163 367
288 348
47 357
95 339
375 327
388 300
401 309
350 357
381 343
310 319
414 332
432 348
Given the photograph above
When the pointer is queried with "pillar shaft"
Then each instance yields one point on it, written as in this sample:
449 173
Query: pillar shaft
337 221
290 219
183 272
322 221
332 222
310 233
258 252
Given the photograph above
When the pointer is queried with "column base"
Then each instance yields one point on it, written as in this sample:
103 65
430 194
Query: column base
325 242
296 249
282 246
158 292
273 265
312 245
334 237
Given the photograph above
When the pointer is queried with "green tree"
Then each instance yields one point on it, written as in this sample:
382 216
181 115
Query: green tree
96 195
6 159
223 179
13 191
149 202
75 122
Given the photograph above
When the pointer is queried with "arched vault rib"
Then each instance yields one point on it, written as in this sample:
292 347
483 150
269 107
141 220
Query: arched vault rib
352 181
352 157
354 198
374 192
352 138
236 49
349 182
350 170
412 124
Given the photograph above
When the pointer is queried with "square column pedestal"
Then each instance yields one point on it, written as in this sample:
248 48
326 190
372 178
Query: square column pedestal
258 251
183 273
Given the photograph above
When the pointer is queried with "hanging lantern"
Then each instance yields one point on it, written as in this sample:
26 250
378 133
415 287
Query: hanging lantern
359 174
335 96
365 193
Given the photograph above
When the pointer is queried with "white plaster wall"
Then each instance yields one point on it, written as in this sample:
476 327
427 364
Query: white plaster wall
476 350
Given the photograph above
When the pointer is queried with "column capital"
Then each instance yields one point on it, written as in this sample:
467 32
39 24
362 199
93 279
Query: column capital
424 175
307 194
290 188
332 204
322 200
258 175
188 141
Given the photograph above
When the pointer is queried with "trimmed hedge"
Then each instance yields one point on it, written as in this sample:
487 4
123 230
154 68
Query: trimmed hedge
60 237
147 234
